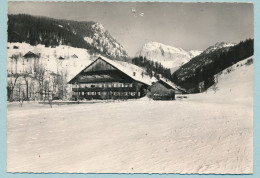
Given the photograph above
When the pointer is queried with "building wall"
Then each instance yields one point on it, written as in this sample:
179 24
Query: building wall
158 91
108 90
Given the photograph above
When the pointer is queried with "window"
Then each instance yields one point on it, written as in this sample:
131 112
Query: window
82 93
132 93
130 85
98 93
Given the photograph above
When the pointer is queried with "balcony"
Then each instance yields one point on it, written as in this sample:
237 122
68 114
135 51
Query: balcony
88 89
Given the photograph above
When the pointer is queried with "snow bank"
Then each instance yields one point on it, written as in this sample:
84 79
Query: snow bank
235 86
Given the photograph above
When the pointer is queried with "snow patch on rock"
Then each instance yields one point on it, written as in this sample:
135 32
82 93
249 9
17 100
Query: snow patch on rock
89 40
217 46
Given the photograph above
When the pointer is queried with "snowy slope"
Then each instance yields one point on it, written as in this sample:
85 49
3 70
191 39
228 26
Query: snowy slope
168 56
235 85
49 57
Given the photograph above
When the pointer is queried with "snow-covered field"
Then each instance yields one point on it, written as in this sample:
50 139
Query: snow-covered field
132 136
205 133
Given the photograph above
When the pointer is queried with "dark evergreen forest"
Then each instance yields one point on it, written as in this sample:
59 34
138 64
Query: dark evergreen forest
152 68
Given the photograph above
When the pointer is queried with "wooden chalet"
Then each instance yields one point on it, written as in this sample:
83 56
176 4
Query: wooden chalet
31 55
164 89
107 79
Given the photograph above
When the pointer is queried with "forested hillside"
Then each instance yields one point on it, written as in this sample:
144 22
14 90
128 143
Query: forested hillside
152 68
53 32
198 74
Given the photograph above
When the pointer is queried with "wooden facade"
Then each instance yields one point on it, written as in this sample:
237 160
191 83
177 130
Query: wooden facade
161 90
103 80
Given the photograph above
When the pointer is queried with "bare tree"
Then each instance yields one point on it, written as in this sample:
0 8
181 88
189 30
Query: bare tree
215 87
40 76
201 86
12 80
26 79
21 94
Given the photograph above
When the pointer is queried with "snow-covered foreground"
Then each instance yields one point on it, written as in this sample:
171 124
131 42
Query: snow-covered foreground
138 136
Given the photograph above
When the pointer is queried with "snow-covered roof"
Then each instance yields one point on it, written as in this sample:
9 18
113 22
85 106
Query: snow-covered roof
168 82
123 69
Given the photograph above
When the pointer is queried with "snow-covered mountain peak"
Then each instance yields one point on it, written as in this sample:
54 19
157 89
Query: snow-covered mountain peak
155 45
169 56
217 46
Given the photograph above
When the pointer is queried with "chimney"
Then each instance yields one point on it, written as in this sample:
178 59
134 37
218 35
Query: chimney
134 74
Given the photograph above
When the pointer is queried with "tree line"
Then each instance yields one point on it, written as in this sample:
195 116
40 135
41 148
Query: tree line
49 32
152 68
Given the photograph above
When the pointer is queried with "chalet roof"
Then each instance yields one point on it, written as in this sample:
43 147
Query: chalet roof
31 55
120 68
74 56
172 85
